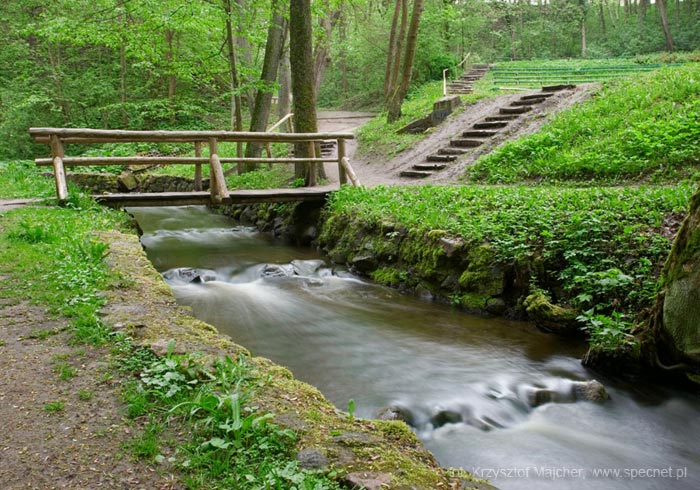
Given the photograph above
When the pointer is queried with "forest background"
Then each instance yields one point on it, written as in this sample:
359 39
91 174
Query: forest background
182 64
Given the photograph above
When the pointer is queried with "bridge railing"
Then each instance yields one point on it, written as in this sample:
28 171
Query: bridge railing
58 138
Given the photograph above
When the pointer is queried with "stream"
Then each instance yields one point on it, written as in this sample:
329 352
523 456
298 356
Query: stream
488 395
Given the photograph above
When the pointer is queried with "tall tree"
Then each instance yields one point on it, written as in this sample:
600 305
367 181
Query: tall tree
236 102
301 60
664 24
263 98
398 92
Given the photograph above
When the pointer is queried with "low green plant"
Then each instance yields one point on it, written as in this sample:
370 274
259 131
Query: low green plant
65 371
55 406
233 444
85 395
593 247
607 332
351 408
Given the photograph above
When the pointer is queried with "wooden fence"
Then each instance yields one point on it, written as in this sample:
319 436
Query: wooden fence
58 138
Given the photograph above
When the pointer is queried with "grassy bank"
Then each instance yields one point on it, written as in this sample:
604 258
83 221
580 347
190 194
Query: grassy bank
644 128
597 250
55 261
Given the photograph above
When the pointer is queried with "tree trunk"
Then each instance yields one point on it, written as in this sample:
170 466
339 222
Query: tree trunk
396 100
55 61
244 52
388 72
284 98
664 24
322 50
122 63
236 116
583 38
263 98
169 58
601 14
301 60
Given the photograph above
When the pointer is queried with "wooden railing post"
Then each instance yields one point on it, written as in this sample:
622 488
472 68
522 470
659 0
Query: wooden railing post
217 182
311 182
342 174
58 153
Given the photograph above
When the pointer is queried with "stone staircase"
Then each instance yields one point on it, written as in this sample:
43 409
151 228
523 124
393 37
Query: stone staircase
480 133
465 83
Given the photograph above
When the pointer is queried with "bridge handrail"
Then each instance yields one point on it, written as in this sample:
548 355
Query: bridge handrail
58 137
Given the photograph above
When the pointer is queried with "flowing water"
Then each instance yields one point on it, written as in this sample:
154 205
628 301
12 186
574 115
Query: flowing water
491 396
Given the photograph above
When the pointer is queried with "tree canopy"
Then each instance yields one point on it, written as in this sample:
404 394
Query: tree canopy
154 64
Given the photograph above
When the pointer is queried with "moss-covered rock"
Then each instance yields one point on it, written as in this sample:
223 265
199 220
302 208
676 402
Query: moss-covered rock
551 317
672 339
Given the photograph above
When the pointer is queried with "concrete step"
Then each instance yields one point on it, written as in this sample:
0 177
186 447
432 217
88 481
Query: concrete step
514 110
557 88
490 125
536 96
528 102
415 174
465 143
512 117
479 133
452 151
425 167
441 158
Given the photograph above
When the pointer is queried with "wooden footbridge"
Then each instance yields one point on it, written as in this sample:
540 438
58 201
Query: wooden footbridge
59 138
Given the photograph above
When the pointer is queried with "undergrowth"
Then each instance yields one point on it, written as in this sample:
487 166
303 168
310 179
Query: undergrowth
645 128
231 443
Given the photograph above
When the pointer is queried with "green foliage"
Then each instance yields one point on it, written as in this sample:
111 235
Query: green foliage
55 406
233 445
65 371
607 333
22 179
593 246
85 395
642 128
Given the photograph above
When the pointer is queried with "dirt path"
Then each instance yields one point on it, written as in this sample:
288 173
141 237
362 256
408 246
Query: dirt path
373 171
63 421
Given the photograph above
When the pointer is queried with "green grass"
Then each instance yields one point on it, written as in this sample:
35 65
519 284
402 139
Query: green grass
641 129
21 179
230 443
65 371
85 395
55 406
577 240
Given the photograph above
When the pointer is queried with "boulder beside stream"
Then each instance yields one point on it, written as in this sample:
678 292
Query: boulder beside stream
671 341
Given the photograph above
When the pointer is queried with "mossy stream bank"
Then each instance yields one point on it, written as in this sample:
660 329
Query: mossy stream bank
367 453
475 276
